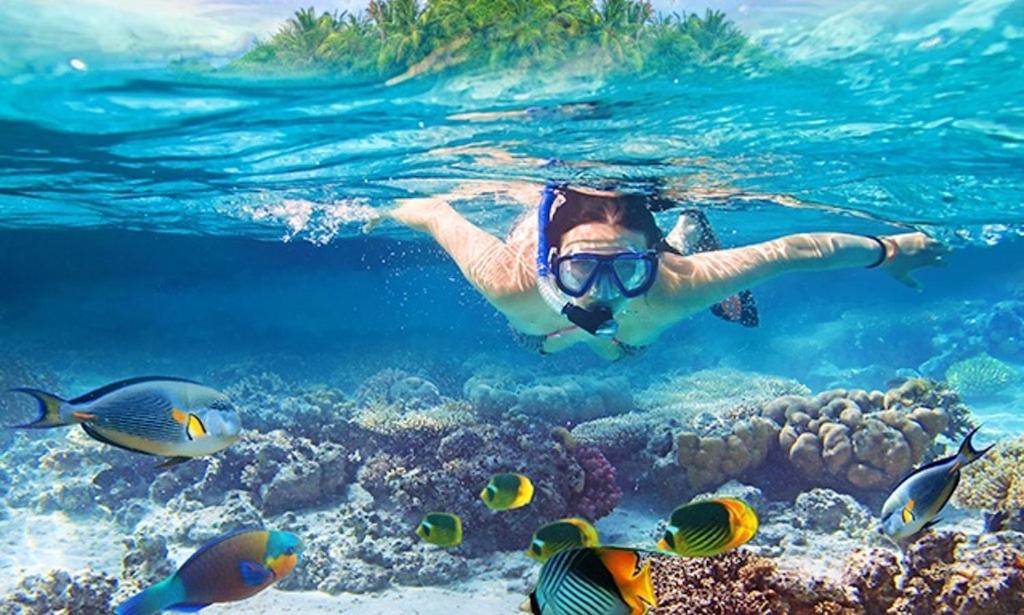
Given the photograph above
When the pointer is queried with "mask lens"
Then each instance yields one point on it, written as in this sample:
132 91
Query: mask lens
575 273
632 272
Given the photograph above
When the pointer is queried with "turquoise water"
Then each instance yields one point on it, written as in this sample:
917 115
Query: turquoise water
206 224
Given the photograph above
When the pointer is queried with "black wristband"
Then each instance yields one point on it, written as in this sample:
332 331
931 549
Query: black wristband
881 257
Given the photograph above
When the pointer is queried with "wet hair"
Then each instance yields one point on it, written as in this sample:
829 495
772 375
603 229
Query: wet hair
627 210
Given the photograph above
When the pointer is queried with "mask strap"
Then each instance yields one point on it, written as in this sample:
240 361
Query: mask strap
597 321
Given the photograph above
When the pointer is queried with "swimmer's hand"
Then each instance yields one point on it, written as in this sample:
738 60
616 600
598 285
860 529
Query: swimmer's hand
415 213
910 251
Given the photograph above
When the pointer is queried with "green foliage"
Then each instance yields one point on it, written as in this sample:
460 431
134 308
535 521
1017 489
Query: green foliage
405 38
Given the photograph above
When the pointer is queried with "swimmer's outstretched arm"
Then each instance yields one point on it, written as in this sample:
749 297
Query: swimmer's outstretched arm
687 284
501 273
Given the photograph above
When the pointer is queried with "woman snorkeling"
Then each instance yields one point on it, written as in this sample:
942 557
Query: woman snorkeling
593 267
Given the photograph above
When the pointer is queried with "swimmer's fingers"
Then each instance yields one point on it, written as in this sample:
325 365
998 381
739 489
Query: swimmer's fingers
373 223
934 253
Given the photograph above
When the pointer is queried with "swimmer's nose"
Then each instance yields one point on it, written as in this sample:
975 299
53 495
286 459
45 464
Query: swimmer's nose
604 290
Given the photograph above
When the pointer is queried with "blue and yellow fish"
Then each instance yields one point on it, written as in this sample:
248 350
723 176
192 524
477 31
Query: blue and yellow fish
170 417
232 567
507 491
916 501
593 581
441 528
709 527
561 535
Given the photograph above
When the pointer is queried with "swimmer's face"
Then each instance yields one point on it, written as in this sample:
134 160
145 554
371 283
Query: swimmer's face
602 238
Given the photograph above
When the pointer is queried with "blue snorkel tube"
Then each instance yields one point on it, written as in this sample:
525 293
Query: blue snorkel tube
597 321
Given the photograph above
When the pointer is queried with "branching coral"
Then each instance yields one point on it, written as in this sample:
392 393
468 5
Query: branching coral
393 421
599 494
995 483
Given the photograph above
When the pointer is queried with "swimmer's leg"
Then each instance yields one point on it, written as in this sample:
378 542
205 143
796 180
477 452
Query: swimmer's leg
691 234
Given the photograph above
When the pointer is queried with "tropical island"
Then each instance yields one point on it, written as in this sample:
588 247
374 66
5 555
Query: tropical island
401 39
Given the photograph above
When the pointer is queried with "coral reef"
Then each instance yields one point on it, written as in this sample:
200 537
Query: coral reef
712 460
448 471
1002 328
600 494
721 393
740 583
825 511
995 483
360 549
267 403
816 521
557 399
981 376
270 472
353 474
848 440
398 388
944 574
940 573
60 592
710 403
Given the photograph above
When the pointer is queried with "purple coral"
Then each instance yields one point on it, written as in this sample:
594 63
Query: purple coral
600 494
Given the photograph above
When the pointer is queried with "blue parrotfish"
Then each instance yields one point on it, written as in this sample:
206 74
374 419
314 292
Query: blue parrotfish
169 417
229 568
916 501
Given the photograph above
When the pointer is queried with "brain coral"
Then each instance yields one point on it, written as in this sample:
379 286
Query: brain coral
980 376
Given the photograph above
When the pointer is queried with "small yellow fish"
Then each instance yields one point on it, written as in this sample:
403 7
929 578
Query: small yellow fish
441 528
560 535
507 491
709 527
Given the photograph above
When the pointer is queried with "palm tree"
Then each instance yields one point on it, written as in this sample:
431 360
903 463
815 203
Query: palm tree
715 36
538 29
400 39
619 24
303 34
352 46
400 27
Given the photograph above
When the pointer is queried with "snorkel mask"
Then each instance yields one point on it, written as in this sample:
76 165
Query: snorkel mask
574 275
